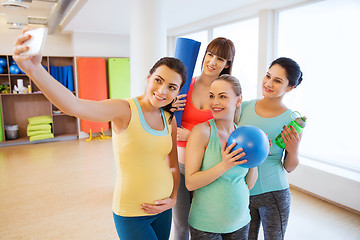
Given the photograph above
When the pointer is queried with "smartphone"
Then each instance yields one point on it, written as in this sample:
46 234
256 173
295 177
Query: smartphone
36 42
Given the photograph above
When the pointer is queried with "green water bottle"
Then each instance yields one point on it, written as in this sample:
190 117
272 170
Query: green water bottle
298 123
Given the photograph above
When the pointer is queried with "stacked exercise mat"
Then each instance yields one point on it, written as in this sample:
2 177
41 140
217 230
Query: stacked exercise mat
39 128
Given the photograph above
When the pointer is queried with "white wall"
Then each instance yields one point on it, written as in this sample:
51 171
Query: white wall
101 45
331 183
56 45
77 44
7 40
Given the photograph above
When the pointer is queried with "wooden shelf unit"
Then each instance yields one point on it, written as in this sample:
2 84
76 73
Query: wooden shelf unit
17 108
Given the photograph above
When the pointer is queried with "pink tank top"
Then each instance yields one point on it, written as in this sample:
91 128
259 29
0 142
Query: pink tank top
192 115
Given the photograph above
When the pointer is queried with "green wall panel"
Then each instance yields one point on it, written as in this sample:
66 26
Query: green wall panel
119 77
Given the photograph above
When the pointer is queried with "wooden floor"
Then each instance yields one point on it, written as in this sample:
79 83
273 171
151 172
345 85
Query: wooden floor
63 190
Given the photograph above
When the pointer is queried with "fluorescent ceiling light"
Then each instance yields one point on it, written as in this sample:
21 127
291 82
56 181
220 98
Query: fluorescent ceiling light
14 4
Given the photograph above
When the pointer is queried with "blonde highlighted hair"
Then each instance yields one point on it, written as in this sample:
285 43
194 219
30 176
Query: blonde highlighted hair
235 83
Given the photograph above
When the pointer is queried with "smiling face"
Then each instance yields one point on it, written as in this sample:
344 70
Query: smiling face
275 83
223 100
213 64
163 86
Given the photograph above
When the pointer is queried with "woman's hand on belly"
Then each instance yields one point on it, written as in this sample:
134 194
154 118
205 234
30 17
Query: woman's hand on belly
159 206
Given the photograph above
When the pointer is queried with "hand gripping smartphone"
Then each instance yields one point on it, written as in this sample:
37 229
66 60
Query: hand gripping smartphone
36 42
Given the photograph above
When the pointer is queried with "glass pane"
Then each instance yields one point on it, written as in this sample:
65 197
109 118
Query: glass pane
245 36
324 38
203 38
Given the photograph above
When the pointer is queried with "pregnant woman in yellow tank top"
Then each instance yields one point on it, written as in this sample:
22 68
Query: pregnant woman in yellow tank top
144 142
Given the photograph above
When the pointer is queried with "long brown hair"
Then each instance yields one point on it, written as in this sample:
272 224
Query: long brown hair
177 66
224 48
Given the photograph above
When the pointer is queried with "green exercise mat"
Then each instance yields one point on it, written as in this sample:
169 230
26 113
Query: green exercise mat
119 77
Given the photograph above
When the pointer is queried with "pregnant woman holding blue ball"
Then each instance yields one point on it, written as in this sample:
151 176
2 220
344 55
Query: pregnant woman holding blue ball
270 197
220 205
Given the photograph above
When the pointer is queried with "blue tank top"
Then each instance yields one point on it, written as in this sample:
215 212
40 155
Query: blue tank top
223 205
272 175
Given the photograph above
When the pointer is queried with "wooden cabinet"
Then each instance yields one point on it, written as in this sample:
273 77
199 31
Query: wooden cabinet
16 108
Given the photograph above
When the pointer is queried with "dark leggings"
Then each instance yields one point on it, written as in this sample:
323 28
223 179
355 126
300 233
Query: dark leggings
240 234
272 210
181 209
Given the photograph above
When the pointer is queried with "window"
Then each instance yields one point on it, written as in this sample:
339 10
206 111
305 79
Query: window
202 37
324 38
244 35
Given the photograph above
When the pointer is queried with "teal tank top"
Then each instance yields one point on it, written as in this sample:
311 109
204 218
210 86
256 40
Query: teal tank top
272 175
223 205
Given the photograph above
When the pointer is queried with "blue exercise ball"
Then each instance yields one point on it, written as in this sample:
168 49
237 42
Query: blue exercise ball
3 62
12 62
14 69
254 142
1 70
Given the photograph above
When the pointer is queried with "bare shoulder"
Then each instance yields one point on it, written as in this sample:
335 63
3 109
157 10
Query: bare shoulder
122 114
118 107
201 131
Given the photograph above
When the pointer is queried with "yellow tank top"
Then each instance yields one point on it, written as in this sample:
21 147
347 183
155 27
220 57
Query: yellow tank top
143 174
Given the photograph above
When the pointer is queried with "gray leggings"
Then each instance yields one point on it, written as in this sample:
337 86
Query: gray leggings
181 209
272 210
240 234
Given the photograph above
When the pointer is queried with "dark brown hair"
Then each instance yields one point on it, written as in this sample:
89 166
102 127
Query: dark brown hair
224 48
177 66
292 68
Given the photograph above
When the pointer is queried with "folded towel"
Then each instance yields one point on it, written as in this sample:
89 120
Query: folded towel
40 120
40 137
39 132
40 127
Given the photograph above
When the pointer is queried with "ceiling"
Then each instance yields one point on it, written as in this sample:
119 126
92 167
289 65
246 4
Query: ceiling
113 16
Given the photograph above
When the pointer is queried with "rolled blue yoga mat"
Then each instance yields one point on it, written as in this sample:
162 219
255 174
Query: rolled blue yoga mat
187 51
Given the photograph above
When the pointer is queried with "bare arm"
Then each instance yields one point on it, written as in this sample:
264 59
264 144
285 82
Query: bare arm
173 161
251 177
60 96
292 141
195 148
291 161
